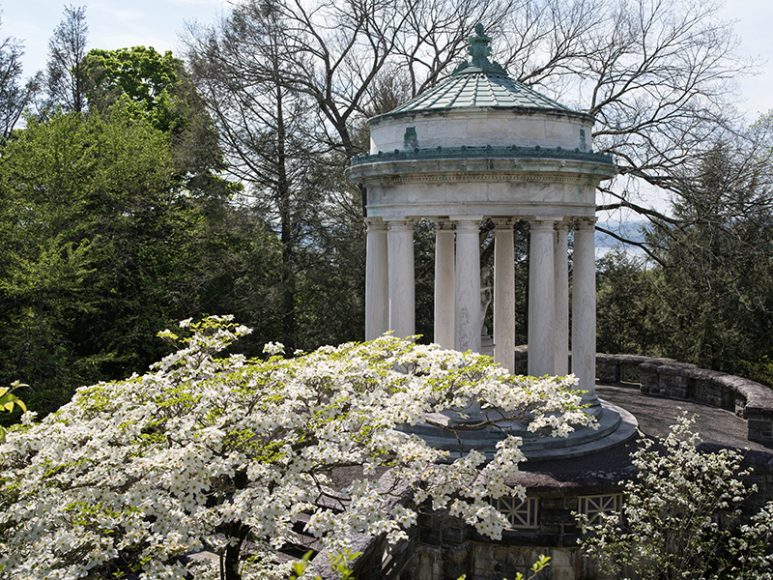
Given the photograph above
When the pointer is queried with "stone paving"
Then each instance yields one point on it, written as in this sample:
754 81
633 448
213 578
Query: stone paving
717 427
656 415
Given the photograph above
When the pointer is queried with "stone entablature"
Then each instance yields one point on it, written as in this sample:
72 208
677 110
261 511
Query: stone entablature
514 198
482 182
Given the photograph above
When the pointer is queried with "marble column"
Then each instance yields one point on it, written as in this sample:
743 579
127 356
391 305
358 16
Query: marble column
541 297
584 307
504 294
561 337
376 280
402 314
444 284
467 285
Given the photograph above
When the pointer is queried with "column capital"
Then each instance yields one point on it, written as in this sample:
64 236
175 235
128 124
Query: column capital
561 225
584 223
443 224
503 223
467 224
540 223
375 223
400 225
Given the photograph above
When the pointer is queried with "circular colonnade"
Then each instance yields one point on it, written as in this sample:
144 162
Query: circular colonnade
480 145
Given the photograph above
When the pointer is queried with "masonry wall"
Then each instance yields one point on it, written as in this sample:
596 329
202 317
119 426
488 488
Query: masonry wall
445 548
663 377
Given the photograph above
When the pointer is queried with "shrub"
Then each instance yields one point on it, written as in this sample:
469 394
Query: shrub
681 517
223 454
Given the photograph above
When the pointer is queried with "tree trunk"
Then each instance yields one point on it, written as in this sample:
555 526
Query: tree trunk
233 551
286 223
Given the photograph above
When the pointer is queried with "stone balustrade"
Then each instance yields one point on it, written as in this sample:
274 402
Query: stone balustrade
664 377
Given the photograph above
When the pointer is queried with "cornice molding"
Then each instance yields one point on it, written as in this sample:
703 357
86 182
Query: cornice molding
510 153
481 177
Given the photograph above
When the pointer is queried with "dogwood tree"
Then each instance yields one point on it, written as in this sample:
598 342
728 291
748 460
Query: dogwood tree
681 516
222 454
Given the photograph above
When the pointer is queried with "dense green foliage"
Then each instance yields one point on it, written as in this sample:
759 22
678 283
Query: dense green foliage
709 300
141 75
85 201
156 88
98 249
716 289
115 222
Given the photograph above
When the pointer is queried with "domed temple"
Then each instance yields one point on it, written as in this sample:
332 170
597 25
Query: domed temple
477 146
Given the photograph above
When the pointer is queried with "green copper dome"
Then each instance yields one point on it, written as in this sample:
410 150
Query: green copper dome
478 83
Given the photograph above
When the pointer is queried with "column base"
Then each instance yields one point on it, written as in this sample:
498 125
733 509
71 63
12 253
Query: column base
454 432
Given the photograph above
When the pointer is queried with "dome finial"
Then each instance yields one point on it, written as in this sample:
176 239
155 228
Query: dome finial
479 47
479 50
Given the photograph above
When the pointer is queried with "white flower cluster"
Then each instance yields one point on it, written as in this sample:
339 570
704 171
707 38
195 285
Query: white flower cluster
225 454
680 516
273 348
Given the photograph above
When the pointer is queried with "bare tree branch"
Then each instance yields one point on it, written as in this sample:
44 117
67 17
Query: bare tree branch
640 245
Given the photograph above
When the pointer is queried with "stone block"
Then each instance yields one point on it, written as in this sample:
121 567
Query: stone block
426 564
757 396
454 534
455 562
673 381
760 425
629 373
431 534
650 381
708 392
607 369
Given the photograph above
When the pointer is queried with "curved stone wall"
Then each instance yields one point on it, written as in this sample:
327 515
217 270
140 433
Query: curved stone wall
674 380
665 377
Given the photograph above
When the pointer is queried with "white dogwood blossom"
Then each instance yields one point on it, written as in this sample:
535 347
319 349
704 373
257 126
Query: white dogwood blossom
680 516
223 456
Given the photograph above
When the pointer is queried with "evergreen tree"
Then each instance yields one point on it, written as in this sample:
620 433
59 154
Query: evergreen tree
625 303
715 289
66 79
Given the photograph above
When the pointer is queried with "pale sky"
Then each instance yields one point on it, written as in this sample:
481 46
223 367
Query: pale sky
112 23
159 23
